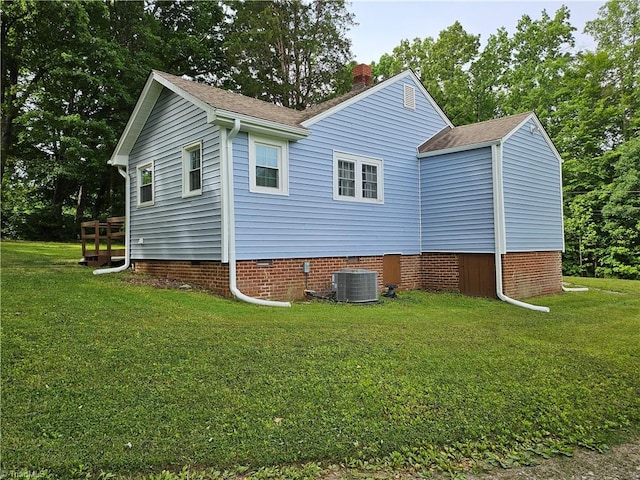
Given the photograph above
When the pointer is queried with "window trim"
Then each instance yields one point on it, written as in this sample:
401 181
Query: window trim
359 161
147 165
186 171
283 165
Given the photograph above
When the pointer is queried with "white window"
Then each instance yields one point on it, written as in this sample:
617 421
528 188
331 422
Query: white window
192 170
145 185
268 165
357 178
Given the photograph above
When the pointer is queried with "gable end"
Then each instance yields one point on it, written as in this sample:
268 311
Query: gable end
407 75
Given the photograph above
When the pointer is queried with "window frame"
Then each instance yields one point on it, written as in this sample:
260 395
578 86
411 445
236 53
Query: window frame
359 161
150 166
186 169
282 147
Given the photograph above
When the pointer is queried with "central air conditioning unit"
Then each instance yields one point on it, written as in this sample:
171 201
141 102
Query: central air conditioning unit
355 286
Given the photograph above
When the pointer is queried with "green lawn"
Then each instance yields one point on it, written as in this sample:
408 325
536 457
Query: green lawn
99 373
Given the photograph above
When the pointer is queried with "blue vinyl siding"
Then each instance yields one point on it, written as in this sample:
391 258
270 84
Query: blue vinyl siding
532 193
309 222
176 228
457 202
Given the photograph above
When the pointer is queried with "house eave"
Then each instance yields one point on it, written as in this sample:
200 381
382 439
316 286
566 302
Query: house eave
460 148
119 160
138 118
225 118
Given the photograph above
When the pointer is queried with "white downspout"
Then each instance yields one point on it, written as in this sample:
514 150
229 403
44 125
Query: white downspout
576 289
231 231
500 230
127 214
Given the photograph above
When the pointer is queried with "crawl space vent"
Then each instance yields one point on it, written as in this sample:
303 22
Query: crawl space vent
355 286
409 97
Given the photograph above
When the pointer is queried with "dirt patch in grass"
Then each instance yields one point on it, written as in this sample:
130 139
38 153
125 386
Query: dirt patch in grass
619 463
164 283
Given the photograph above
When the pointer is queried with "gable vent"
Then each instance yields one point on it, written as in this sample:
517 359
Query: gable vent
410 97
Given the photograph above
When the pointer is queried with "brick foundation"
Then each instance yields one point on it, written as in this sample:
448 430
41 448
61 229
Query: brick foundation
530 274
281 279
440 272
524 274
213 276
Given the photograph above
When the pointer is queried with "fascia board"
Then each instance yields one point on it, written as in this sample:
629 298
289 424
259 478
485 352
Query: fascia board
542 131
461 148
547 138
371 91
187 96
517 127
225 118
138 118
430 99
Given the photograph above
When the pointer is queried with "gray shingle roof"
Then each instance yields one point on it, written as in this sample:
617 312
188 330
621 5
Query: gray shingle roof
490 130
314 110
235 102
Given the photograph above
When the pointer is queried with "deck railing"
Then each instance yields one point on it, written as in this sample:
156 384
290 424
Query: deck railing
103 242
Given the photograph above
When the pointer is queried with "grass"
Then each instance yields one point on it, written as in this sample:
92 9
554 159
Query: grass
101 374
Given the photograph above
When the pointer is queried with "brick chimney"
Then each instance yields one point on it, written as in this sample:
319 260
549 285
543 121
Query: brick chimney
362 76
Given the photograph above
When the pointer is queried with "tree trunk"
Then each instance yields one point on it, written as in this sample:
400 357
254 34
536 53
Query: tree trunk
81 205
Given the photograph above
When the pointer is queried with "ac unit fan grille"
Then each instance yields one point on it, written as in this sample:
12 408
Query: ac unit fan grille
356 286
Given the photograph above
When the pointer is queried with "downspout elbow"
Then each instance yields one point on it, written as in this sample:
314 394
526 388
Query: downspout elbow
576 289
127 250
518 303
256 301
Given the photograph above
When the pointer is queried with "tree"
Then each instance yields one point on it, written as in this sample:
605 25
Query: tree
443 67
446 74
72 72
190 37
488 74
617 31
621 214
412 55
588 101
541 54
598 134
47 45
289 52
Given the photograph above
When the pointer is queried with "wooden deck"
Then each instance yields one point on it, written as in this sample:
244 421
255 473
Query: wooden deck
103 242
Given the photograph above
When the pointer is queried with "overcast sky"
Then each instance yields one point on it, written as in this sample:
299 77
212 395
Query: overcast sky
384 23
